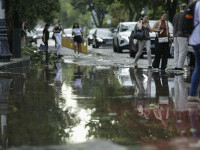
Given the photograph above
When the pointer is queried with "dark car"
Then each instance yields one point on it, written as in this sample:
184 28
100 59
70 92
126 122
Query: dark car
134 48
32 37
102 37
90 35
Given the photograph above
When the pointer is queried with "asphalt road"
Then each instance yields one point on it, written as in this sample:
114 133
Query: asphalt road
103 56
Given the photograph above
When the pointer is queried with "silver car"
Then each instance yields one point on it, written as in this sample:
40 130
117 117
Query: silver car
122 35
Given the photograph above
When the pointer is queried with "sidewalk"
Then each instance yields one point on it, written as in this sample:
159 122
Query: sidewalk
15 63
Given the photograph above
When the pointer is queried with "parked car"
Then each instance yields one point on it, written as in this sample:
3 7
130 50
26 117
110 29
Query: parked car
32 37
134 48
90 35
122 35
102 37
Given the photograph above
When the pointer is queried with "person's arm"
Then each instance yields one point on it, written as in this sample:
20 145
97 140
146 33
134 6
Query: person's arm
148 26
63 30
54 29
155 26
23 26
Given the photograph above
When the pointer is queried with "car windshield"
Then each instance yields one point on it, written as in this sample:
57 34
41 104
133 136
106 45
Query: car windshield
104 32
151 23
127 27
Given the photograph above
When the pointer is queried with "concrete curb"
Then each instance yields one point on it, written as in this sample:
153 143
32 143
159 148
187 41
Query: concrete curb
16 63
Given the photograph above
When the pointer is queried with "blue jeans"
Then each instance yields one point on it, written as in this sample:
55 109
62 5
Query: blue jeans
195 76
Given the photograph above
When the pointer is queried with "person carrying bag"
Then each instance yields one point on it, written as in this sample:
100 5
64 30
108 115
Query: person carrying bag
143 29
162 42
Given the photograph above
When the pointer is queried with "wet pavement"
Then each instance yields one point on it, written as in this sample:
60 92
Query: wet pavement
79 100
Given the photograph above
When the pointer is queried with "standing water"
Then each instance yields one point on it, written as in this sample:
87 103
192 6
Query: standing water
74 104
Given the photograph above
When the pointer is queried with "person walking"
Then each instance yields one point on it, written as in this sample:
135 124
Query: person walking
57 33
143 24
194 40
180 40
78 37
162 42
45 39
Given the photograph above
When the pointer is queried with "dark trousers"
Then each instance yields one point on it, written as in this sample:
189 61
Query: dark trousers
162 52
46 52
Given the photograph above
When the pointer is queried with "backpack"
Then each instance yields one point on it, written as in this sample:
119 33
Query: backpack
188 19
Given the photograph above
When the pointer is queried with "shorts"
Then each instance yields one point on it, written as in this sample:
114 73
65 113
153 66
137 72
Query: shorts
78 39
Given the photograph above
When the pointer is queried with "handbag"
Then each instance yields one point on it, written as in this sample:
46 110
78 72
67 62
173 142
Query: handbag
163 39
138 34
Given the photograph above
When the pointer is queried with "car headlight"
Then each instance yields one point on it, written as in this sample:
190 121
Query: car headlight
125 38
99 40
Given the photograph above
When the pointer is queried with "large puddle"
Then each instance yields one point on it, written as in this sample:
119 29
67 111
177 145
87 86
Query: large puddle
74 104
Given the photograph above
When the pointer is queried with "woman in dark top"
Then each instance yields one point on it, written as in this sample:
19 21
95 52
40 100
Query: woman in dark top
162 42
45 39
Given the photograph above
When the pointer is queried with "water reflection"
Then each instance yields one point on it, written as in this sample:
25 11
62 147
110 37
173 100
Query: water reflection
123 105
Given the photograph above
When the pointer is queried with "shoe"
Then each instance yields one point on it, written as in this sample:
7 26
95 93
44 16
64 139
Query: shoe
193 99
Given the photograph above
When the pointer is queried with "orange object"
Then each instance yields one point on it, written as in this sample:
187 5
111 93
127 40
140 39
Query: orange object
189 16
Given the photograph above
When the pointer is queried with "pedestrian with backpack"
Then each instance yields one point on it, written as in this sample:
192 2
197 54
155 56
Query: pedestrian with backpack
192 13
180 40
162 42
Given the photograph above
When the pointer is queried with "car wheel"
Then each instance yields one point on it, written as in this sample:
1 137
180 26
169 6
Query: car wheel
119 49
190 59
132 48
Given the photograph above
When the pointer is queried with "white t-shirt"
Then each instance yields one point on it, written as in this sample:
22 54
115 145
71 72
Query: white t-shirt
195 36
77 31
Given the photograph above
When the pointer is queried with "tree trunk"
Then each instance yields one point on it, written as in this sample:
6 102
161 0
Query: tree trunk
93 17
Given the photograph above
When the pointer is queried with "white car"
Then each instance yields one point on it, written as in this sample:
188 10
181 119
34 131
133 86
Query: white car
122 35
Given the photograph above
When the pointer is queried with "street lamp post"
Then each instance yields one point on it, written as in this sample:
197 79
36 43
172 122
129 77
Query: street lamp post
4 47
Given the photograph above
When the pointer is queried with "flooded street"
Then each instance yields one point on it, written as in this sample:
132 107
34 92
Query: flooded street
70 103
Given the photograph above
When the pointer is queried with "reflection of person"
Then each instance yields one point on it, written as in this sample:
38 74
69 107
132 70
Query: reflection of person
162 42
194 40
195 122
23 33
58 78
180 40
161 112
45 39
57 33
78 36
143 24
78 75
180 105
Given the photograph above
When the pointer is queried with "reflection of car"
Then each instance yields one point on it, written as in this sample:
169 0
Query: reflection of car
133 47
68 32
39 32
89 37
121 36
102 37
32 37
124 78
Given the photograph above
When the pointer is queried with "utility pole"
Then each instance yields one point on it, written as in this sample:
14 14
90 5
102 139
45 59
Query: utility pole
4 47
